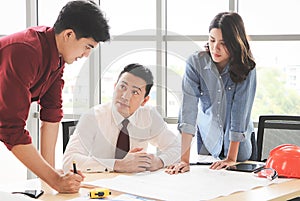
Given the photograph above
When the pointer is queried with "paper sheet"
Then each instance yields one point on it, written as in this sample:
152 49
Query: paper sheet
203 159
201 183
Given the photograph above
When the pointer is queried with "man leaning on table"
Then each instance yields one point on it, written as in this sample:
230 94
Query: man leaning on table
93 144
32 63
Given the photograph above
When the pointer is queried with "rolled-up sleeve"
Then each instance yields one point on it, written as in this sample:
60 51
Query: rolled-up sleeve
51 101
237 136
189 108
241 108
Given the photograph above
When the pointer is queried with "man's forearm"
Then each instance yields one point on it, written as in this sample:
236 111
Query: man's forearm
49 132
30 157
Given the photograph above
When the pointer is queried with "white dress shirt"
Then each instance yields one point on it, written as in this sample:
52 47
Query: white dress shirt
93 143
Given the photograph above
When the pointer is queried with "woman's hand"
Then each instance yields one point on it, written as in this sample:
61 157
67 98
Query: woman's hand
178 168
222 164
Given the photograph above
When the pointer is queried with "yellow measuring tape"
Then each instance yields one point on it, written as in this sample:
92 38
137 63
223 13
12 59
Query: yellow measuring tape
99 193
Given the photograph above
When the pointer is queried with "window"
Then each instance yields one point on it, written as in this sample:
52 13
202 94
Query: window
48 11
275 46
192 17
130 15
8 10
278 82
270 17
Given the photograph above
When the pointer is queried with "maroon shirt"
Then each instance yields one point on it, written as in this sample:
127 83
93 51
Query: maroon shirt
30 70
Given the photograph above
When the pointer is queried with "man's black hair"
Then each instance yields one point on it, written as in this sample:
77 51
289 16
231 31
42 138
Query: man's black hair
85 19
141 72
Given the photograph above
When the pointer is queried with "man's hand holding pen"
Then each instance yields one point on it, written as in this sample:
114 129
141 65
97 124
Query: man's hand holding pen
68 183
76 171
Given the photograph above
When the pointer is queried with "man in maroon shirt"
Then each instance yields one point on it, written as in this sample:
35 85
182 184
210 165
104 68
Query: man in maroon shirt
31 69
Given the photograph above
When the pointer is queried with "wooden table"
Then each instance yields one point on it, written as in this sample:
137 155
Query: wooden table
274 192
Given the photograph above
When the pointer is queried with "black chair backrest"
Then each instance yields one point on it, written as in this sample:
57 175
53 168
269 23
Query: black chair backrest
68 129
274 130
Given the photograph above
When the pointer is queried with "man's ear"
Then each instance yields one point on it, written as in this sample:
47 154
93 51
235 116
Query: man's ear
69 33
145 100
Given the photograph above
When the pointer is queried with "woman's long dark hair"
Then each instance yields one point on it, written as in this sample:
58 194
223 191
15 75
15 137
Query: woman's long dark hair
235 38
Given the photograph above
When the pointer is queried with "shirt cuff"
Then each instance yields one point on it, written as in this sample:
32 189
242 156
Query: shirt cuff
14 137
105 166
237 136
51 115
187 128
167 160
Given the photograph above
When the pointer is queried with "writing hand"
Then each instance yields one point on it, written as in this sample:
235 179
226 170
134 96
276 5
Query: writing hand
69 183
78 172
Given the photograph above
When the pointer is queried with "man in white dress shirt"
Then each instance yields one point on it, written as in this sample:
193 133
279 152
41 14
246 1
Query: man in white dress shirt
93 144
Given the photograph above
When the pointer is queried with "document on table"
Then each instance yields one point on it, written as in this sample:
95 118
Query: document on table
203 159
201 183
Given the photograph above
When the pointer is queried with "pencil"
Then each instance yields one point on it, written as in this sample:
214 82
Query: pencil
74 167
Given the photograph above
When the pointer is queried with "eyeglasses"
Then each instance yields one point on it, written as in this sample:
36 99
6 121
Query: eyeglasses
268 173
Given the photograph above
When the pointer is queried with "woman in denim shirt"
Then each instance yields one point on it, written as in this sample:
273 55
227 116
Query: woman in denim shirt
218 91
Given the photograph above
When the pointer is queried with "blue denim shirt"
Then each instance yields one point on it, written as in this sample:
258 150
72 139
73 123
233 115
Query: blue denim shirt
212 103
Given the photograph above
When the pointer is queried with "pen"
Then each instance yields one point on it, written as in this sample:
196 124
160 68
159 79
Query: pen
201 163
74 167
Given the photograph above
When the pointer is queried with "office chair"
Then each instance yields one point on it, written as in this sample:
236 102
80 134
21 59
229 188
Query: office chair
274 130
68 129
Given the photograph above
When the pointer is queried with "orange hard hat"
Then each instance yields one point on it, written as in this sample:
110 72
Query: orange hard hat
285 159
